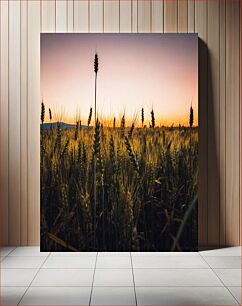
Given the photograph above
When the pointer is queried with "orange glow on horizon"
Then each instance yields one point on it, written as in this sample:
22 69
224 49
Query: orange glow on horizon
108 122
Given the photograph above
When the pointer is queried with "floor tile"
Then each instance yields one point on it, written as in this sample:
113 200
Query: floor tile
11 295
236 292
113 262
17 277
64 277
219 262
231 251
230 277
176 277
70 262
169 262
176 254
113 296
73 254
28 251
23 262
57 296
115 254
113 277
184 296
4 251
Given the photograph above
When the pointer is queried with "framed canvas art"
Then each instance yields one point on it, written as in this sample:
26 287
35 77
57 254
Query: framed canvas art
119 142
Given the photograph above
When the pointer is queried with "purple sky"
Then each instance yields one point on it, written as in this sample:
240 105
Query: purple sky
135 70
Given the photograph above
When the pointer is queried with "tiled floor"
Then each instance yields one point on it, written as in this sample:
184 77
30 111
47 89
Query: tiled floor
29 277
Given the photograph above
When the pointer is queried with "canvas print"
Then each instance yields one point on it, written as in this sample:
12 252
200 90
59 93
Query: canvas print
119 142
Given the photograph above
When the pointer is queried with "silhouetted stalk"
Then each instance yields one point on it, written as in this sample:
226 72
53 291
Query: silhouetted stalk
96 71
50 115
96 146
142 117
152 119
42 117
114 122
89 117
191 119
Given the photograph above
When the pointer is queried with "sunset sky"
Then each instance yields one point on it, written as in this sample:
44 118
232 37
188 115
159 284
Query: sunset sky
135 71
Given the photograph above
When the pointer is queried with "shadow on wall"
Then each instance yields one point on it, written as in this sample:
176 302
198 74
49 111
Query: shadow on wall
209 176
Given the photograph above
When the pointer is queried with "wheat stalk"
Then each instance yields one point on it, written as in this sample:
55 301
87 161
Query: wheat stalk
96 144
114 122
131 130
131 154
112 153
89 117
50 114
142 117
152 118
76 130
96 64
101 180
122 126
65 149
58 140
79 151
42 116
191 117
96 150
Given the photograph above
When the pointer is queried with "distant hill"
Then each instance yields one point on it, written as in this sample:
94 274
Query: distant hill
63 125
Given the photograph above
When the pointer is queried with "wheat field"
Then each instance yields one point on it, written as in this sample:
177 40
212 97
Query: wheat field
119 188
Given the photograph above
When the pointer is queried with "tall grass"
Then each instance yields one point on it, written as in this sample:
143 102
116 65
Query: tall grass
137 197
